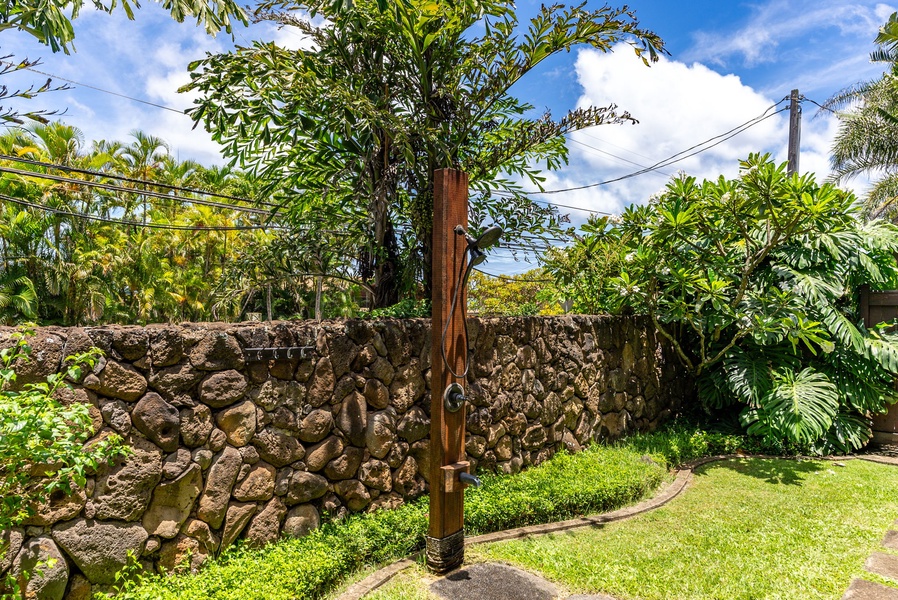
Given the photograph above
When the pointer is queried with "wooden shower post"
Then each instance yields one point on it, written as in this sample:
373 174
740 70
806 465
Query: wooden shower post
446 535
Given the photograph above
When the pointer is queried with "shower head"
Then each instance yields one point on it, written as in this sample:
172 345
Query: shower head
487 238
476 251
477 256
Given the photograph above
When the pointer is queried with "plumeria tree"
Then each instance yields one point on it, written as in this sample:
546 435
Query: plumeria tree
753 281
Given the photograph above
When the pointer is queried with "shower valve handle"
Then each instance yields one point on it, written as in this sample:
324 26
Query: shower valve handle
454 397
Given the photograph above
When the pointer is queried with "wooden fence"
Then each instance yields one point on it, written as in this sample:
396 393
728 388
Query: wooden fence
877 307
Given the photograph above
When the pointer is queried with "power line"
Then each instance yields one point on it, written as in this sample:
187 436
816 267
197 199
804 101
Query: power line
127 223
621 158
502 193
679 156
669 161
93 87
167 186
587 210
514 279
814 102
598 139
116 188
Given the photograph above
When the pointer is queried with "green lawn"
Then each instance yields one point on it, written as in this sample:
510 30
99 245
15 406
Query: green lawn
745 528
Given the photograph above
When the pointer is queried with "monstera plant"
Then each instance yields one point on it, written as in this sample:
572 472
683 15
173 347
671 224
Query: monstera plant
754 281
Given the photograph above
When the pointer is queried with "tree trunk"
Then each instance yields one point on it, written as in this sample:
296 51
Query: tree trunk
319 281
383 259
387 271
422 223
268 302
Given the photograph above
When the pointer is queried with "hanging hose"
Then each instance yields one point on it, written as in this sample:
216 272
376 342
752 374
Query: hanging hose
460 283
475 249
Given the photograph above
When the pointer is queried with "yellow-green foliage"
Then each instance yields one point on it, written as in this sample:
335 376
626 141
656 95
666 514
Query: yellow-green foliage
530 293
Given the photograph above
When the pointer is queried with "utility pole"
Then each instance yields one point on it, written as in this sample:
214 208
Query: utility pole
794 131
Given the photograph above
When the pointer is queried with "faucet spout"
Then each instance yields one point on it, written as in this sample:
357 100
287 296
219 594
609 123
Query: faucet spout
469 479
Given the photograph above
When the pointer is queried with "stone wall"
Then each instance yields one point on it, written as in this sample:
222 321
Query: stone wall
227 446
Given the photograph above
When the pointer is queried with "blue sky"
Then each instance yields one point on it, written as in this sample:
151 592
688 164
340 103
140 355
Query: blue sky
729 62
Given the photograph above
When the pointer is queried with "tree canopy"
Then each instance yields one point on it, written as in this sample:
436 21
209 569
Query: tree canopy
867 141
123 232
50 21
348 132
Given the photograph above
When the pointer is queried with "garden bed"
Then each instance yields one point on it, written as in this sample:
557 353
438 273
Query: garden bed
600 478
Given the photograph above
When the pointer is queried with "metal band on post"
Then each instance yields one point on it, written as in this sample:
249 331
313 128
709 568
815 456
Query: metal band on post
445 554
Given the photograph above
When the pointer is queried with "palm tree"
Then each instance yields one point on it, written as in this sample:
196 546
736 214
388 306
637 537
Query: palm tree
867 142
144 159
18 299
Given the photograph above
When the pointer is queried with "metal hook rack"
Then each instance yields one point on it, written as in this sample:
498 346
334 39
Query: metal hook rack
284 353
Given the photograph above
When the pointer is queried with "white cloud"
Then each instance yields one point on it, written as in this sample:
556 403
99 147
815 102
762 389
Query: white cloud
678 106
777 24
142 60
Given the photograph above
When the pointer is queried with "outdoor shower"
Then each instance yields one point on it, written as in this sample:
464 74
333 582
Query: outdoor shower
455 254
476 255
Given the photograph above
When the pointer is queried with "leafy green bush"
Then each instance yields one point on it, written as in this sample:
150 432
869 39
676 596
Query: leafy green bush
754 280
599 478
41 441
681 444
408 308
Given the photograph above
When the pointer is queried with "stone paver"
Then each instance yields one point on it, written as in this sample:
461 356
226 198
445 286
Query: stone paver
878 458
883 564
890 540
491 581
862 589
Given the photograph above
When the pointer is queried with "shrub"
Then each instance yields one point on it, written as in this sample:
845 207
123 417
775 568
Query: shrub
41 441
753 281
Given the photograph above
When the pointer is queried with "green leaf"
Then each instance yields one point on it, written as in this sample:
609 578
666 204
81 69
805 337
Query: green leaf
799 408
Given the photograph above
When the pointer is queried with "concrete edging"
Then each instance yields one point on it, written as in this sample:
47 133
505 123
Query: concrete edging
684 474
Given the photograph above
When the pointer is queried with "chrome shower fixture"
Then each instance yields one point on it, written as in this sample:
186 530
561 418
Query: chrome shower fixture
476 256
477 246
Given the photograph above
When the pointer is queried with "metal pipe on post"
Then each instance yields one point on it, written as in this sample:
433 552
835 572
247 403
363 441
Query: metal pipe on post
794 131
445 542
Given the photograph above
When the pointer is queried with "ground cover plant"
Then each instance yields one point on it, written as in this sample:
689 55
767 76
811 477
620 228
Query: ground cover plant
745 528
603 478
754 282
